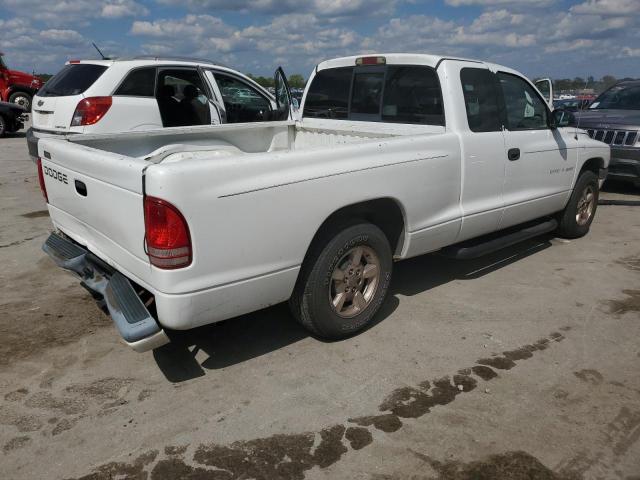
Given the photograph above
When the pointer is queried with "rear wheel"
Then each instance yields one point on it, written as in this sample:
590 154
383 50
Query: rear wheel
21 98
344 281
575 220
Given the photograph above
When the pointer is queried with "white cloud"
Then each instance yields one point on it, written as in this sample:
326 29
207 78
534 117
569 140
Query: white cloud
325 8
74 13
505 3
608 7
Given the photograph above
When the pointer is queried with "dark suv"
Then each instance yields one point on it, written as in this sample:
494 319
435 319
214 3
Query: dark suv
614 118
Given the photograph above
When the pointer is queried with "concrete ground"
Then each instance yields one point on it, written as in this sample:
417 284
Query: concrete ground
521 365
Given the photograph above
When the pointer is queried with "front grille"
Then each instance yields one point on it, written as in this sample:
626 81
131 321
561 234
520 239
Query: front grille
614 137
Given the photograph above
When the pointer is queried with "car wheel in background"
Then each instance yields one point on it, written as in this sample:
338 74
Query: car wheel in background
575 220
344 281
22 99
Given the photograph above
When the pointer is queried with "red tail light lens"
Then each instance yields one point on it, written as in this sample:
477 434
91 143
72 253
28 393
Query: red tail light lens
371 61
90 110
43 187
167 235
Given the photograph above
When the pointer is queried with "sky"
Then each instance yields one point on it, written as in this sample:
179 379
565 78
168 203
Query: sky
557 38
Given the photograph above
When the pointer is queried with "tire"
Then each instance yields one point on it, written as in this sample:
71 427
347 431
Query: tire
316 302
3 126
21 98
575 220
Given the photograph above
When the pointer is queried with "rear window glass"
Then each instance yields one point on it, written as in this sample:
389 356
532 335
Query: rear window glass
367 92
412 95
328 95
139 83
72 80
393 93
481 98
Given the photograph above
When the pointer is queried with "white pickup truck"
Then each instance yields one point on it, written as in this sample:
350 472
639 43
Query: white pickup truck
394 156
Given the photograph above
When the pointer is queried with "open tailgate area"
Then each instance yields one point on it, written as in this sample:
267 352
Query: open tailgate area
96 198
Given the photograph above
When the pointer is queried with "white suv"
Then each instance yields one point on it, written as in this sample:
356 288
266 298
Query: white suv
144 93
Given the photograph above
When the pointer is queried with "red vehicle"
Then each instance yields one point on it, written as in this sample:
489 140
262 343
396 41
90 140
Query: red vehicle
17 87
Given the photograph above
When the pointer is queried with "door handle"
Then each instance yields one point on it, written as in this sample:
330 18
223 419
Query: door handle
513 154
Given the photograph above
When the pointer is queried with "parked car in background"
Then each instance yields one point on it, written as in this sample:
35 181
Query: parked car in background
17 87
12 118
572 105
614 118
395 156
145 93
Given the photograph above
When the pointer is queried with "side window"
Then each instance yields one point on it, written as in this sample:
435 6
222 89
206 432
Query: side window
525 109
328 95
412 95
481 99
139 83
367 93
242 102
181 98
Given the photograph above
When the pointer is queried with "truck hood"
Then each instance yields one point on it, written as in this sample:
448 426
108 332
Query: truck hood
24 78
604 118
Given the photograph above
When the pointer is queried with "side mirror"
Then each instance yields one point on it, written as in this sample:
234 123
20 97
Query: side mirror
562 118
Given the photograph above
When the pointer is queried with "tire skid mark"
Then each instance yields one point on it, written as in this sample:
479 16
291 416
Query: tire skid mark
289 456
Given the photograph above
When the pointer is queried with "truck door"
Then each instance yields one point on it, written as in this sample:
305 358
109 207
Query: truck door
475 111
540 161
283 96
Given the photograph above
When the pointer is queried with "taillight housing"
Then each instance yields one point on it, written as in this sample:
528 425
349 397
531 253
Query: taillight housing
90 110
167 235
43 187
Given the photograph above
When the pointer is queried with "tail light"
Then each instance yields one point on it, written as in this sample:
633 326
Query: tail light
43 187
90 110
167 235
371 61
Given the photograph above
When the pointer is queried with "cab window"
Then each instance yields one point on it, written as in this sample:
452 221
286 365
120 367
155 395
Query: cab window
481 99
328 95
412 95
242 102
525 110
389 93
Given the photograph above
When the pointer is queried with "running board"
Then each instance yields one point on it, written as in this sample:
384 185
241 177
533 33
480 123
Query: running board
480 246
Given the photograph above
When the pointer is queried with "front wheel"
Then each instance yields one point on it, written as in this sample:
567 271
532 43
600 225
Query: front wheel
343 282
575 220
22 99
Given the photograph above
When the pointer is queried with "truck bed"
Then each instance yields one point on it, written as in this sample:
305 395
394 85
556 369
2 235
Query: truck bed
175 144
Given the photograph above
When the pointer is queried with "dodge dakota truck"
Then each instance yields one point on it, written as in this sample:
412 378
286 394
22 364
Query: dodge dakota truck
394 156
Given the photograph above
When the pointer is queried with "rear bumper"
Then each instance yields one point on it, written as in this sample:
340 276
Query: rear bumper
111 290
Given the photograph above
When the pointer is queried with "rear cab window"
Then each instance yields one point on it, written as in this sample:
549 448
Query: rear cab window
73 79
482 99
388 93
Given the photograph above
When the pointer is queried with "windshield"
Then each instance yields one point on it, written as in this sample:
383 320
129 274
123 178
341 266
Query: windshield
72 80
620 97
2 64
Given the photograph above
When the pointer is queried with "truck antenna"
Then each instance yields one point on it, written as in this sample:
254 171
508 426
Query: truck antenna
101 54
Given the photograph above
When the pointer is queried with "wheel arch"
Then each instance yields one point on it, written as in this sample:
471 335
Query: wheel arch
594 164
387 213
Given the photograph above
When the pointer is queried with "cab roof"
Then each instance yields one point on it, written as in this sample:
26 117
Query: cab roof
400 58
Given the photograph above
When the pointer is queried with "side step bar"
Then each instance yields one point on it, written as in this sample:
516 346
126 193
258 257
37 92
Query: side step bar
497 241
110 289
